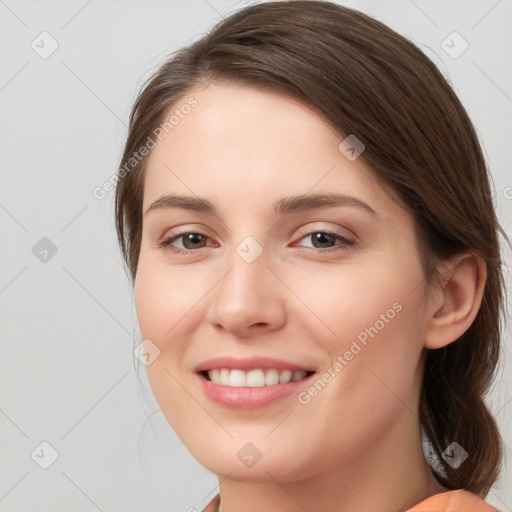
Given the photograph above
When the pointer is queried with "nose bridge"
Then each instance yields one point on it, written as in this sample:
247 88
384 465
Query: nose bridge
248 293
248 263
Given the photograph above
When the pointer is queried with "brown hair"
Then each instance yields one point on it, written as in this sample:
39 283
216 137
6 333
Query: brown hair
370 81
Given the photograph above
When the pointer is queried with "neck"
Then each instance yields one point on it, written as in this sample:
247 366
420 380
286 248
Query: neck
390 475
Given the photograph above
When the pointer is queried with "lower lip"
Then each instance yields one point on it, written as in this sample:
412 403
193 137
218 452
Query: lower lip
248 398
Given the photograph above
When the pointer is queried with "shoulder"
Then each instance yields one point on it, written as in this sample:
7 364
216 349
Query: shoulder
454 501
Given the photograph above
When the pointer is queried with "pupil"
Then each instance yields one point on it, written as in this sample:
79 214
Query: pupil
192 238
321 238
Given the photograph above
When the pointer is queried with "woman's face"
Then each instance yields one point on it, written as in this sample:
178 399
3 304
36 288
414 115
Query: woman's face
274 279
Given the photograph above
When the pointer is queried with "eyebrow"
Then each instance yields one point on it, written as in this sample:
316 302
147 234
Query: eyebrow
282 206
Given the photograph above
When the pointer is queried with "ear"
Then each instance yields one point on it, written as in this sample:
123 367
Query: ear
457 299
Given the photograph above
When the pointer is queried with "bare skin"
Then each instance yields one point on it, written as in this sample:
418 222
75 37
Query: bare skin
355 445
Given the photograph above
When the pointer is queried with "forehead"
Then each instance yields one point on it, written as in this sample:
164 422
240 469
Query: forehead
250 146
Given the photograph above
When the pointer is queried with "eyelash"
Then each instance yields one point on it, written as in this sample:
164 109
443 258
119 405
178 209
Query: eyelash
345 242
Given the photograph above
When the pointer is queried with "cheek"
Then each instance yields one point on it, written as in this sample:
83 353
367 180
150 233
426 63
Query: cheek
163 312
160 306
369 316
163 296
354 300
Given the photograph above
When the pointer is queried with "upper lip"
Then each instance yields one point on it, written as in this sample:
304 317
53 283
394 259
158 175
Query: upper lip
251 363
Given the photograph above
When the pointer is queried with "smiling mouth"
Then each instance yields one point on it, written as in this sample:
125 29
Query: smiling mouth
255 378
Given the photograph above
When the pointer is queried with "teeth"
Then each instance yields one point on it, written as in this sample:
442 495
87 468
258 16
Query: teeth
253 378
236 379
285 376
272 377
298 375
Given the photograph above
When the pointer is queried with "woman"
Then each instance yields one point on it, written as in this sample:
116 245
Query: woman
305 212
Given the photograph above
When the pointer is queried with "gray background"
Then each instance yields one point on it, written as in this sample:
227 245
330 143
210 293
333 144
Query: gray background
68 323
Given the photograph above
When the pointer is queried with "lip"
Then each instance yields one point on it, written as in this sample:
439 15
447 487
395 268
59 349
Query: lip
249 397
250 363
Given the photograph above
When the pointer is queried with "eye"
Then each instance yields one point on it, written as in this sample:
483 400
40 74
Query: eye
190 242
322 240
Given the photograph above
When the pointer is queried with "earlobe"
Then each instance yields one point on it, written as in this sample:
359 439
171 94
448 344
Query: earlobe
461 291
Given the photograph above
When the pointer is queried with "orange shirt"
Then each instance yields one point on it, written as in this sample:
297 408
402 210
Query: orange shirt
451 501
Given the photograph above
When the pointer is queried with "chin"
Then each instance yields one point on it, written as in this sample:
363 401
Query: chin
266 469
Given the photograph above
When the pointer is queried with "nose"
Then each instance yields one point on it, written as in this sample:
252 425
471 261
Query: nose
249 298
